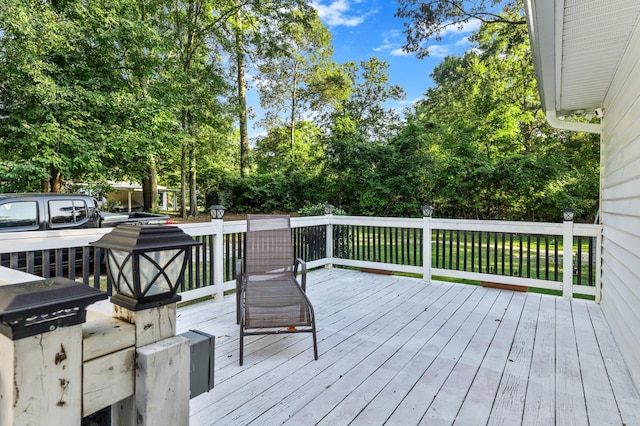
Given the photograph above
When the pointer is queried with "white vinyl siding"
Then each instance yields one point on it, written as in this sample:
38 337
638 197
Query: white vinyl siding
620 206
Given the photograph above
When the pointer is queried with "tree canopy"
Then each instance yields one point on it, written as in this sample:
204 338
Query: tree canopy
430 19
155 92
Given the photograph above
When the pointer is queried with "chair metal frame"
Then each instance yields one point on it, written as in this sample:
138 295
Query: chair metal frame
269 298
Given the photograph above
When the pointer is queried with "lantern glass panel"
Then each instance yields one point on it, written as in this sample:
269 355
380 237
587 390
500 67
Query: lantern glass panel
159 270
121 271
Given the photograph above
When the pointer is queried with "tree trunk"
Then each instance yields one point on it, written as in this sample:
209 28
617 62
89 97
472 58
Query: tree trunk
150 186
45 185
183 181
55 182
193 200
242 99
292 131
292 119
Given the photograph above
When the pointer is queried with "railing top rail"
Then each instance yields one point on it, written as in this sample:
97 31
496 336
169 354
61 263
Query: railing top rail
542 228
197 229
239 226
391 222
44 240
587 229
301 222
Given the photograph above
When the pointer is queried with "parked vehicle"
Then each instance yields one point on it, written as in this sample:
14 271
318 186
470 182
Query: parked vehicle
53 211
48 211
133 218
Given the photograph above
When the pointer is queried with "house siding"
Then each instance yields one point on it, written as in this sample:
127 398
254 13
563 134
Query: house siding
620 206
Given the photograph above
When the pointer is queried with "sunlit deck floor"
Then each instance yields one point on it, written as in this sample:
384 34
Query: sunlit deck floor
396 350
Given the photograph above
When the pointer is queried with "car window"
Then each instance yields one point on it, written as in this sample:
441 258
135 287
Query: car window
18 214
67 211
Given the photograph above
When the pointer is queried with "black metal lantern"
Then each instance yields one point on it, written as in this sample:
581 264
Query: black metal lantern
427 211
217 211
568 214
146 264
328 209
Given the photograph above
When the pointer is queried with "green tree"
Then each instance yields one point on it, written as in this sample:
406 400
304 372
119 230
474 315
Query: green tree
193 68
301 79
273 152
363 110
496 156
427 20
382 178
253 45
79 102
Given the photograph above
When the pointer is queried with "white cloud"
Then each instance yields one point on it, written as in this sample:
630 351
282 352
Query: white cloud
388 41
453 46
441 50
400 52
336 13
409 102
393 33
464 41
383 47
472 25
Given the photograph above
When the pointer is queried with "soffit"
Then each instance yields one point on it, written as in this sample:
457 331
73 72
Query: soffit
577 47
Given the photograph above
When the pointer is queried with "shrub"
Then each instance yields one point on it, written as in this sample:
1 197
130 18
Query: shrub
318 210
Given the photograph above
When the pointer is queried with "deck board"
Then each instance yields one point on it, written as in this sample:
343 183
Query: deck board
509 403
600 401
570 405
541 384
477 405
449 399
439 356
624 390
397 350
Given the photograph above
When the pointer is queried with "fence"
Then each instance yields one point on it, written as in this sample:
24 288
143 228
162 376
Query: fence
518 253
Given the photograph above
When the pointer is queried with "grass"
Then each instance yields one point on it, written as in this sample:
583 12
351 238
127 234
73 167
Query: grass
528 256
478 283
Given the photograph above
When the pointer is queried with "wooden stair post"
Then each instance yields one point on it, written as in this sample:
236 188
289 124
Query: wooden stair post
41 378
41 351
162 370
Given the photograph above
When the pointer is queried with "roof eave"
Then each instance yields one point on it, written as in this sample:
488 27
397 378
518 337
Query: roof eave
544 19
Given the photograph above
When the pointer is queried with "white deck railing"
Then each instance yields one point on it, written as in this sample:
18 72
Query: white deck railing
524 254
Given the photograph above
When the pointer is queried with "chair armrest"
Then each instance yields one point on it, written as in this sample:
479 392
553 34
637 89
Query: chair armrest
238 288
303 269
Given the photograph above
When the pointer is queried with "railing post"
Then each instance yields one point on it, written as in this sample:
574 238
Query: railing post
41 351
599 266
567 253
217 213
328 212
161 394
218 258
427 213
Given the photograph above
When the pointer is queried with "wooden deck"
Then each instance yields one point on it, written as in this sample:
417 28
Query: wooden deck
396 350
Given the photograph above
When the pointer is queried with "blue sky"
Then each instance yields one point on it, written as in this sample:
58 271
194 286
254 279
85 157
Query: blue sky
365 28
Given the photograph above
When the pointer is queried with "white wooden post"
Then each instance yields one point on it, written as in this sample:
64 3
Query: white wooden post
218 258
426 248
41 378
151 325
164 202
599 266
329 242
162 382
161 397
567 259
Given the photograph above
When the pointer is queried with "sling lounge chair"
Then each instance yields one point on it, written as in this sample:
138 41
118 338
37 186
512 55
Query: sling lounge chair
269 298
